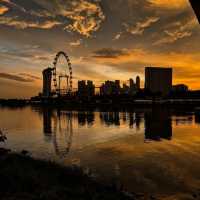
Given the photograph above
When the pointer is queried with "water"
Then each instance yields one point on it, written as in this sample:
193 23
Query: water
153 151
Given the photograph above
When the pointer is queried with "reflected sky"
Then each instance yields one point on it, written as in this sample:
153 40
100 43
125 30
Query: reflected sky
155 148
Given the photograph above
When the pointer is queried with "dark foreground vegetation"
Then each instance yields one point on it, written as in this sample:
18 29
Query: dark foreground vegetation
24 178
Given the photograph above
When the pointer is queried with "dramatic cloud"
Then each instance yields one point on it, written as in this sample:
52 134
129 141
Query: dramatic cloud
86 17
30 76
22 24
94 35
3 9
140 27
169 4
177 31
75 43
109 53
81 16
15 77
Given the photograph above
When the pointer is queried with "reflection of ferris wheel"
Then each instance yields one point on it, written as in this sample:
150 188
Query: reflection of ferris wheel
58 77
62 135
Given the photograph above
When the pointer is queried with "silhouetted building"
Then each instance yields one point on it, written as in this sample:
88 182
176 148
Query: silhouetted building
138 83
82 89
132 84
110 88
86 90
47 76
180 88
90 89
125 89
117 87
158 80
132 89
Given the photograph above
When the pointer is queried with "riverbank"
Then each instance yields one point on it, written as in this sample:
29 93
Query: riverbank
26 178
23 177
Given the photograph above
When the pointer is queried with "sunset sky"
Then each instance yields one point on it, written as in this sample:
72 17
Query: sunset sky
105 39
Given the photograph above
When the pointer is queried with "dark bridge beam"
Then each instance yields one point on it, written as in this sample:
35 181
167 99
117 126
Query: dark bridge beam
196 6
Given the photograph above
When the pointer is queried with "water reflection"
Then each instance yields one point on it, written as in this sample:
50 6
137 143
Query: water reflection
58 124
117 119
47 123
158 125
58 129
111 144
86 118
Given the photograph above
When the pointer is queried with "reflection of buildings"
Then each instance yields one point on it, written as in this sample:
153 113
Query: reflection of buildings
85 118
57 127
117 119
158 80
110 118
158 125
47 123
197 118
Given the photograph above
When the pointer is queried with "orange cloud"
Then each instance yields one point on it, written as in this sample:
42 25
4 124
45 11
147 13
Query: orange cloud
186 66
3 10
169 4
22 24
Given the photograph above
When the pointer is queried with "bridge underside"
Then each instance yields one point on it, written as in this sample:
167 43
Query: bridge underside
196 6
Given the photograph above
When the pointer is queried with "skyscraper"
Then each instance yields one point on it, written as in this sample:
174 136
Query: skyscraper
86 89
137 82
90 88
158 80
47 76
82 88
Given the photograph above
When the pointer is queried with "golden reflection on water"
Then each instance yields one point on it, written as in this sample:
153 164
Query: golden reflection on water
152 151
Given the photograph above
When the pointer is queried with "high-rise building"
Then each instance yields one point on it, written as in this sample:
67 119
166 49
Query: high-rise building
86 89
117 87
90 88
110 88
132 84
82 89
158 80
47 76
125 89
132 87
138 83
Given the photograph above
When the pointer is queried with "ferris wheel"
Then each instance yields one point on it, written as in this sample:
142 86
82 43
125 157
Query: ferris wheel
59 76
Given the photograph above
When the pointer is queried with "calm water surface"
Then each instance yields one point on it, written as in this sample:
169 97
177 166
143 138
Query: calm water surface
155 151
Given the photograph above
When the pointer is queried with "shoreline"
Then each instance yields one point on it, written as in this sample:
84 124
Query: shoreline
113 105
23 177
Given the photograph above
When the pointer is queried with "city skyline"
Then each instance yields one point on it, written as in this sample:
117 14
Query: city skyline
104 39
